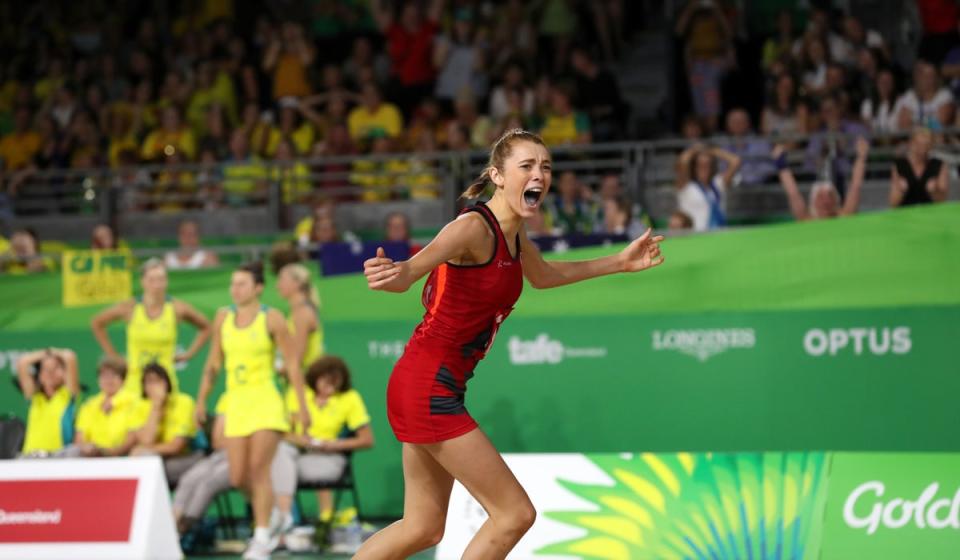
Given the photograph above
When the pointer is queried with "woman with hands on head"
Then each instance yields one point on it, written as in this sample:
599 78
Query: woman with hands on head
51 389
477 264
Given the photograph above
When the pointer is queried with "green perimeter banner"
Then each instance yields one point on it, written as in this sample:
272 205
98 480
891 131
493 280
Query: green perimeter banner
881 379
795 505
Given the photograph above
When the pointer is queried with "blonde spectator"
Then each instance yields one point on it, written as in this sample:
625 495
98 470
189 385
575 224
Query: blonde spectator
190 255
374 117
918 178
172 135
824 199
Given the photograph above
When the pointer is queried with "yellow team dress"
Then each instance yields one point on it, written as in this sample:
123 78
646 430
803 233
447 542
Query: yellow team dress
313 351
150 340
254 402
107 430
49 421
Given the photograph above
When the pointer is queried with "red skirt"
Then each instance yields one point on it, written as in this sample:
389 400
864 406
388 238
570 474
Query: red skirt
426 393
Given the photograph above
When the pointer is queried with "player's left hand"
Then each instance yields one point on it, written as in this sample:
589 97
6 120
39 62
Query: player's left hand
642 253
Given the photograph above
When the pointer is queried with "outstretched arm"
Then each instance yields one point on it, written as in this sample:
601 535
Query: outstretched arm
852 202
789 183
641 254
467 235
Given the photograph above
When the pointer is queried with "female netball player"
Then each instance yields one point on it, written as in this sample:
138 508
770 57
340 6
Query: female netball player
245 338
151 328
476 265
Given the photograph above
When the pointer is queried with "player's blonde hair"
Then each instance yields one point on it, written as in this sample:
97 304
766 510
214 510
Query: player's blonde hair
301 275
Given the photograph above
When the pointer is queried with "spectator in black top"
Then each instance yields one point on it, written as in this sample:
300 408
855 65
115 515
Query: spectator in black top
918 178
599 96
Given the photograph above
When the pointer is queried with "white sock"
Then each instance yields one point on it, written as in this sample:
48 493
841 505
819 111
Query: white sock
287 519
261 534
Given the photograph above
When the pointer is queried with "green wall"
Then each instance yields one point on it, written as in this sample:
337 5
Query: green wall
838 335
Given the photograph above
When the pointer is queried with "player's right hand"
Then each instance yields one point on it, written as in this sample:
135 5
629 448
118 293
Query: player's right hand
380 270
200 414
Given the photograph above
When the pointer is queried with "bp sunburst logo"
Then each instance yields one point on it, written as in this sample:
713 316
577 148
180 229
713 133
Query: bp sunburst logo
698 506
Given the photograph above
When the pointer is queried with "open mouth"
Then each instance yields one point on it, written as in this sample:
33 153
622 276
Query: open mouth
531 196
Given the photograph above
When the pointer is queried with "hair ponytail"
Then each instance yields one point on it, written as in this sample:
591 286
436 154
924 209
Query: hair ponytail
301 275
479 186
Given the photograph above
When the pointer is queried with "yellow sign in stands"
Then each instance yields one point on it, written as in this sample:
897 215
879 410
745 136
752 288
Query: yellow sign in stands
96 277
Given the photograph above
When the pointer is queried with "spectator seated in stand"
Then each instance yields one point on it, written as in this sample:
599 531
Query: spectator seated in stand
396 228
50 381
104 423
164 423
918 178
189 255
24 255
570 213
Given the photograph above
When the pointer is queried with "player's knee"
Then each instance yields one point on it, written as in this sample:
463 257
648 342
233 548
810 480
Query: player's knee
427 535
238 478
518 519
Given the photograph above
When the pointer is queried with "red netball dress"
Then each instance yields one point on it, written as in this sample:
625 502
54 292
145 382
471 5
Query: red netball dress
465 305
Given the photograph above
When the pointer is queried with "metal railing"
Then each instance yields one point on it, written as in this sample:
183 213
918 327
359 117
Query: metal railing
646 170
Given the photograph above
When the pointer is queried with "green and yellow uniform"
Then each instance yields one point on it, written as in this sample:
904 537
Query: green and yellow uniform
177 420
107 430
49 421
254 402
311 353
342 410
150 340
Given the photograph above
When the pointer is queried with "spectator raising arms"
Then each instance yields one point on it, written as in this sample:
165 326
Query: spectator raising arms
49 380
701 188
918 178
824 198
410 47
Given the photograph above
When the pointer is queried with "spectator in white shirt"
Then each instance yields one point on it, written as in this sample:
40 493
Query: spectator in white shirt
926 104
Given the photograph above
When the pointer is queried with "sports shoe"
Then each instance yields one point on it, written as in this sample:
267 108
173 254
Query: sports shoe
260 550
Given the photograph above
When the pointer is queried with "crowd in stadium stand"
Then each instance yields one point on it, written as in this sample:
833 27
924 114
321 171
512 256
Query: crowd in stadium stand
247 92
